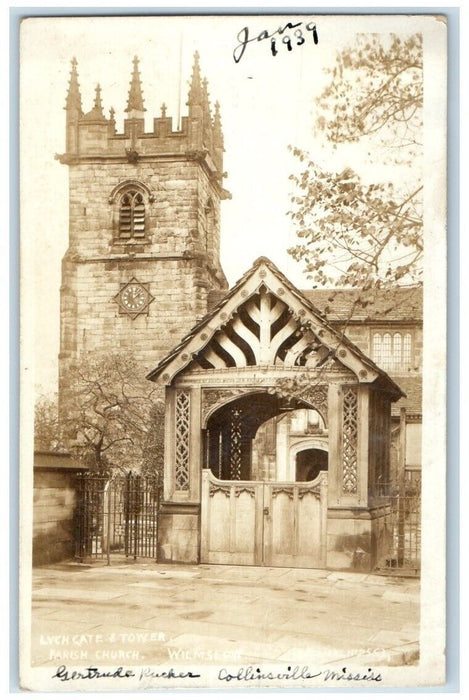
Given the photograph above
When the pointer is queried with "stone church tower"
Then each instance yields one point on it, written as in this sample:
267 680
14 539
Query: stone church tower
144 212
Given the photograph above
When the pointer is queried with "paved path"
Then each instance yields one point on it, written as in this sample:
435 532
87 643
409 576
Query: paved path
152 613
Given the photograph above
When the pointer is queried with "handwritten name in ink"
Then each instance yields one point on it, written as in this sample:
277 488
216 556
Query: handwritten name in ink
91 673
298 33
94 672
250 673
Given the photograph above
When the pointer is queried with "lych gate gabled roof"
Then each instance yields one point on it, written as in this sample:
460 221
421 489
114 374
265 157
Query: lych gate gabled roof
264 321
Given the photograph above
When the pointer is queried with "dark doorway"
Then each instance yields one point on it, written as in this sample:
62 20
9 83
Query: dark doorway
231 429
309 463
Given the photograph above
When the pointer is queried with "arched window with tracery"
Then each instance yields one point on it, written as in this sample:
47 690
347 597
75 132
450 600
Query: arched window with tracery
131 207
132 215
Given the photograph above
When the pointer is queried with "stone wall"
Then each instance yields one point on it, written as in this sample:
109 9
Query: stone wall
356 538
96 322
179 533
178 259
174 219
54 507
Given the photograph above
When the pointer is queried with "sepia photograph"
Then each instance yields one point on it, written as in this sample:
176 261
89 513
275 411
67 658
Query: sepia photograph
233 352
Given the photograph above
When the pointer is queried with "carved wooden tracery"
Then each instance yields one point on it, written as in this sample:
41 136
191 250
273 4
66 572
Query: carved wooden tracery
228 490
216 488
181 476
288 490
263 331
212 397
311 491
316 396
244 489
349 440
236 426
300 492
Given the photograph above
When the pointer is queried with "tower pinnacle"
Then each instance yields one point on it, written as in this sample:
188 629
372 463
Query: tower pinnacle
135 106
217 130
195 90
206 100
97 112
73 95
97 100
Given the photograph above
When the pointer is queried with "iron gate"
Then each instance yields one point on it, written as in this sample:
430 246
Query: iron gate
116 514
403 526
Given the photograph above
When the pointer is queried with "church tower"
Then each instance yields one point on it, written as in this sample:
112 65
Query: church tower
144 212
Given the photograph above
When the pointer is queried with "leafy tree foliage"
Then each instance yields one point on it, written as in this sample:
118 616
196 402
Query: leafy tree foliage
46 424
354 233
111 417
376 88
153 445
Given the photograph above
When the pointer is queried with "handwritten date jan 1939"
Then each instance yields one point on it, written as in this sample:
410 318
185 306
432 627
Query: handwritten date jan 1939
297 37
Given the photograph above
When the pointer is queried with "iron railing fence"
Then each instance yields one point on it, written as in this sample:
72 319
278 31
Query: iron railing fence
116 514
401 540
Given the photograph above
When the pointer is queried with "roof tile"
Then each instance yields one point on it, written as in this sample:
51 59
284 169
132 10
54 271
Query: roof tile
412 387
399 304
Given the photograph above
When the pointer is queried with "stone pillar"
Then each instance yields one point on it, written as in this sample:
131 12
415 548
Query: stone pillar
351 524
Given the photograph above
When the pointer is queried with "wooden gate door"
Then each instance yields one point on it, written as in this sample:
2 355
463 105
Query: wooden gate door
264 523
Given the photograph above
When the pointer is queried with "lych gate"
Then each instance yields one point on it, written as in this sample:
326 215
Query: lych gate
268 514
263 351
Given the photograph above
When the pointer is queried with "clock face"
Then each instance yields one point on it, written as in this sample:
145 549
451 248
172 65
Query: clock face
133 297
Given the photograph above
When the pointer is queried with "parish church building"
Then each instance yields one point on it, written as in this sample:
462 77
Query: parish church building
287 416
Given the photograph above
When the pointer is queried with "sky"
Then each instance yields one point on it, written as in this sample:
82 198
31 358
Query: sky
267 104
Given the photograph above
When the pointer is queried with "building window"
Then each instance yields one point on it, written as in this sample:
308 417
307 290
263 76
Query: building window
306 421
131 215
392 351
131 206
